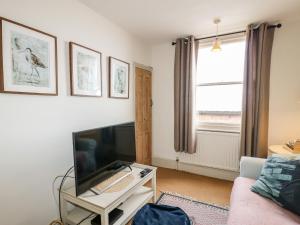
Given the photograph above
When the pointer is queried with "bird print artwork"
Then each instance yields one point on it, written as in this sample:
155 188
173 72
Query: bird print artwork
120 80
34 61
29 61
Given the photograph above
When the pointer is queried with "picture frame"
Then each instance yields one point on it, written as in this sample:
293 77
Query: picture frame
85 71
119 72
28 60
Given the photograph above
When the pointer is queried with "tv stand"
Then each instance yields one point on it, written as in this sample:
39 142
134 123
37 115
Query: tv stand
129 199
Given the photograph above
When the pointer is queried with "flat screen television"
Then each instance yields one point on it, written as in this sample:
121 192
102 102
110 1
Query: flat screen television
102 152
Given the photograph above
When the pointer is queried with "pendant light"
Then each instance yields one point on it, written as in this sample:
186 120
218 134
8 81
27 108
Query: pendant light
216 46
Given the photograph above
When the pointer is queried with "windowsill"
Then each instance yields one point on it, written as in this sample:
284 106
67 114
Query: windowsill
222 113
219 127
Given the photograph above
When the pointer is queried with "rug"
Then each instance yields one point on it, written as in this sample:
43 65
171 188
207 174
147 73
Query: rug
200 213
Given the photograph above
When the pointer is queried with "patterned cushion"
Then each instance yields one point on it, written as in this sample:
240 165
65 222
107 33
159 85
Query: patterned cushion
280 181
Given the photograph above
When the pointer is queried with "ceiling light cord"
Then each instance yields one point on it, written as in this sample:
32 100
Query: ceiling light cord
217 21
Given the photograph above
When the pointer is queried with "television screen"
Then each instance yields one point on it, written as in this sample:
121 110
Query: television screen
102 152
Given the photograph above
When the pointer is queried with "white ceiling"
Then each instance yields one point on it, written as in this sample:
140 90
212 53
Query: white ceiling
163 20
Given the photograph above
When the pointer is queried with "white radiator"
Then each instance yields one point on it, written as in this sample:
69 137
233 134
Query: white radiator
215 149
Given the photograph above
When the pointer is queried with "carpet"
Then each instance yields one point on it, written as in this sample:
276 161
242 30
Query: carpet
200 213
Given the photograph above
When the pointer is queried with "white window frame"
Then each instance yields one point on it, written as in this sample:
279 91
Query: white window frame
217 126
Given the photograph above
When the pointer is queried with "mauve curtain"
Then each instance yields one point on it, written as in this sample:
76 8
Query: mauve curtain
255 111
184 95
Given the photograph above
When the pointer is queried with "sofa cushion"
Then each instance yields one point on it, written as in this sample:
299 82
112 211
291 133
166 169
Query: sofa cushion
280 181
248 208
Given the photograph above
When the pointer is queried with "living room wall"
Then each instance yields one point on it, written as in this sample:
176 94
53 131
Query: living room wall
35 131
284 121
284 91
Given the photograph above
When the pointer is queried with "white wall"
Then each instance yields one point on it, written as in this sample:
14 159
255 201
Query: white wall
163 99
285 84
35 131
284 93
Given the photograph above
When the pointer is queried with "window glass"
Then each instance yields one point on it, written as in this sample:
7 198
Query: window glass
220 83
219 98
224 66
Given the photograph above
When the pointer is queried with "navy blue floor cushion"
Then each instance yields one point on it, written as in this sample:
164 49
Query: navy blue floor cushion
152 214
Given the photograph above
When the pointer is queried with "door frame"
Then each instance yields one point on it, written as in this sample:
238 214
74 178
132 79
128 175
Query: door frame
142 66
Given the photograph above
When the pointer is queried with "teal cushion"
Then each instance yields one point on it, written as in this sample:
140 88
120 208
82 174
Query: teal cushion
280 181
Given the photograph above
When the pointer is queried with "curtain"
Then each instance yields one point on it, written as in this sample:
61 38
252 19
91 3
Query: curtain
184 95
255 109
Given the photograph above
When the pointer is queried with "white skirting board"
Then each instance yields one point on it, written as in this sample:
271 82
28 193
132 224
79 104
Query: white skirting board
196 169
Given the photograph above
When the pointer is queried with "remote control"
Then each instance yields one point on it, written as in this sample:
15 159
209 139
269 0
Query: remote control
145 172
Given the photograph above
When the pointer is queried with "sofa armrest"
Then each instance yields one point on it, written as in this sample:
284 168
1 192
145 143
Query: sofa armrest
251 167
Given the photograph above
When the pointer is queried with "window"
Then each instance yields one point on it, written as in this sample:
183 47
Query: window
220 84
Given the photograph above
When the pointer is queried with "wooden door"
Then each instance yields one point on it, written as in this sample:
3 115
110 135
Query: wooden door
143 115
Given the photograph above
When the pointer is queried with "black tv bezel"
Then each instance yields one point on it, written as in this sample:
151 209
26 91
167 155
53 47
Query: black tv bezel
98 171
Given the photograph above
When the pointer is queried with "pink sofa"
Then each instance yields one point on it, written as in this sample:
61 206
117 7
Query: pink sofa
248 208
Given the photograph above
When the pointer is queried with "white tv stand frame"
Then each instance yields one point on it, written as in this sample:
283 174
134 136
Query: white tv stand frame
130 200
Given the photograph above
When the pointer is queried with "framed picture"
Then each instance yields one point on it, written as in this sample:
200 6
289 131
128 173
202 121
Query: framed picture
118 78
28 60
86 71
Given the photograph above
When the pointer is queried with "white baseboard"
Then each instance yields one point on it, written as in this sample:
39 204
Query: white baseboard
196 169
165 163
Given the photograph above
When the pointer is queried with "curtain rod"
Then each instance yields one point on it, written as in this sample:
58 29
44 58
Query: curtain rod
237 32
